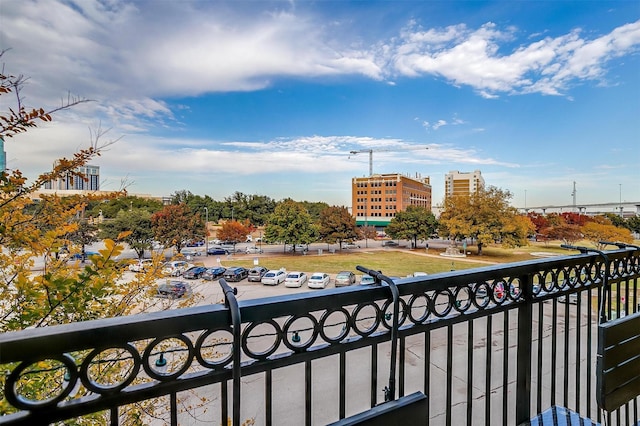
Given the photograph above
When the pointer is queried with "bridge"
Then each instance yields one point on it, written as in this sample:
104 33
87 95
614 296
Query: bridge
627 208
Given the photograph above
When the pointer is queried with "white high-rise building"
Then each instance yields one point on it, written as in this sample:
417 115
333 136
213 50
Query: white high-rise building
466 183
91 181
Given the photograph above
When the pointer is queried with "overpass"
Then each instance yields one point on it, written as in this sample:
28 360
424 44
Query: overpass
625 209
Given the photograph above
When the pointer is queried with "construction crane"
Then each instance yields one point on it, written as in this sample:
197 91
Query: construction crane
371 151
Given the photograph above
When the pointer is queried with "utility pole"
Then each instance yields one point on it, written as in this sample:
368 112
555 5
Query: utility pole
621 214
573 194
366 224
206 231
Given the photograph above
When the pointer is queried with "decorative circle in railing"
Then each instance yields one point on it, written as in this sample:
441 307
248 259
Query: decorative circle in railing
480 294
462 296
634 265
562 279
618 268
515 289
499 292
419 308
214 348
536 285
366 318
261 339
573 274
300 332
545 279
58 373
387 313
168 357
627 266
111 369
335 324
584 275
441 304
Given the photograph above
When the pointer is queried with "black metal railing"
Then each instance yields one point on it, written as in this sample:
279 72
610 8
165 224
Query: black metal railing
493 345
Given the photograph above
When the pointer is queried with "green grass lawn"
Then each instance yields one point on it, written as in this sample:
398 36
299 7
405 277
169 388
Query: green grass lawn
401 262
392 262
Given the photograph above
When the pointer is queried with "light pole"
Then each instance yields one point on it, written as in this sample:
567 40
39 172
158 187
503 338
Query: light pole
231 213
366 225
206 231
621 215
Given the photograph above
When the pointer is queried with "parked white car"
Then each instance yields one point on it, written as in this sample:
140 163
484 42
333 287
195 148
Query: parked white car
190 251
141 265
367 280
253 250
175 268
295 279
350 246
318 280
274 277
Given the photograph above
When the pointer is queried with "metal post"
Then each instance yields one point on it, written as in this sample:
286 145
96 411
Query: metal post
366 223
524 354
231 302
206 231
390 390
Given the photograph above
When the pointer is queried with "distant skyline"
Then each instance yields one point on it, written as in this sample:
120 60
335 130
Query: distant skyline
270 97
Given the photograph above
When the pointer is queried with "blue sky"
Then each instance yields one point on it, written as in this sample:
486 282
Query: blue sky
270 97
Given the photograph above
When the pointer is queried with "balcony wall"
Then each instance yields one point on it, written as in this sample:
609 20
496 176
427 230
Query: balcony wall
494 345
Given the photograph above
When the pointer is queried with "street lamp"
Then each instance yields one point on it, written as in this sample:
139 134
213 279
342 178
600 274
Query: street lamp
206 231
621 214
366 225
231 213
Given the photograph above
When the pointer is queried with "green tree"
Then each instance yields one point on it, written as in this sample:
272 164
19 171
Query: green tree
633 224
337 225
176 224
136 225
415 223
615 220
485 216
85 233
290 223
314 208
109 208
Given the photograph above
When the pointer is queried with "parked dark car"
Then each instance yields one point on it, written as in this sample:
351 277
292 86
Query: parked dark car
173 289
216 250
212 273
194 272
87 255
256 273
390 243
236 273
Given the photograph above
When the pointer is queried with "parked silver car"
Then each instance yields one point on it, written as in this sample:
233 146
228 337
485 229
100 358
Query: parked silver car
345 278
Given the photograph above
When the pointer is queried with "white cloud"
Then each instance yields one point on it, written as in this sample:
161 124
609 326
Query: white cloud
471 57
439 124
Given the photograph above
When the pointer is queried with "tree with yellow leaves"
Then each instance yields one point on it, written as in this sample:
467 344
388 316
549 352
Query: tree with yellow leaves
38 288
